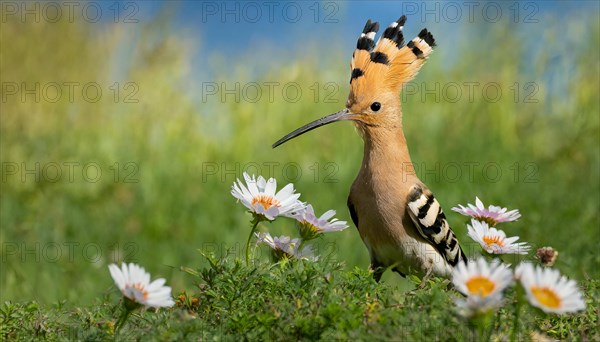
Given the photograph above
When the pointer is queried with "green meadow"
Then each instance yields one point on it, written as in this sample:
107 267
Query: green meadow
142 172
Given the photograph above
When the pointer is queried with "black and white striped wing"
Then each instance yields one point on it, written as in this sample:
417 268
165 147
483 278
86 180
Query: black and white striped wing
430 220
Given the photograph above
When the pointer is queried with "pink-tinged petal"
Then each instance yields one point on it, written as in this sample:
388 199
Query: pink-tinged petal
284 246
327 215
272 212
309 210
473 208
259 209
493 214
479 203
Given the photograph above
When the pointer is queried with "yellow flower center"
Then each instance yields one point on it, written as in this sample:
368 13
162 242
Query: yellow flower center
308 230
489 240
480 286
490 221
311 227
546 297
266 201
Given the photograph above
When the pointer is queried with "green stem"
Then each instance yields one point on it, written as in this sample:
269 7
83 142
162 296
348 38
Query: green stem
256 222
478 321
491 322
121 322
484 325
302 243
515 329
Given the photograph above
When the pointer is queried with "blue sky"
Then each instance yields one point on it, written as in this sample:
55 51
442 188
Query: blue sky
260 32
233 26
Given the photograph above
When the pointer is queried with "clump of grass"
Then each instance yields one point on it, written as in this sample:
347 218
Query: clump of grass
293 299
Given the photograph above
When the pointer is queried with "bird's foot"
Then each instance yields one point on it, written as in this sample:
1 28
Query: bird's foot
377 271
425 279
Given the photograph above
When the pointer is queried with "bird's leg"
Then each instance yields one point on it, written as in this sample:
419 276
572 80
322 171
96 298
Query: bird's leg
448 284
377 271
425 278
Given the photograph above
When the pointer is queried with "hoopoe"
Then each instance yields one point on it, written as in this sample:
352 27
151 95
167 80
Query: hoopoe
397 216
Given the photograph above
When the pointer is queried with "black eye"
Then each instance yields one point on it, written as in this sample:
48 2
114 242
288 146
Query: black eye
375 106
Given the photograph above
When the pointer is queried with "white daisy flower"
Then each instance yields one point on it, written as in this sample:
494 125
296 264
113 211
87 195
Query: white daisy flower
259 196
548 290
478 278
311 226
494 240
134 283
492 215
285 247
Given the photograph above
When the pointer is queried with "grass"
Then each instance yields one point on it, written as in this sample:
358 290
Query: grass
290 301
177 157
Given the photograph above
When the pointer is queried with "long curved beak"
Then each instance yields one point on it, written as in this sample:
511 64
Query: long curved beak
339 116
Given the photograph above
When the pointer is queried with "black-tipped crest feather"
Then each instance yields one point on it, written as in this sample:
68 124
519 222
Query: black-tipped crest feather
394 32
427 36
365 41
379 57
371 27
389 62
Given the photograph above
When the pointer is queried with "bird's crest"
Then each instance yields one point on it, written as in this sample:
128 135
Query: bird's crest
389 63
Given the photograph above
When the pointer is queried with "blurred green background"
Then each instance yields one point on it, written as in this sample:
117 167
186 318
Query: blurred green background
142 171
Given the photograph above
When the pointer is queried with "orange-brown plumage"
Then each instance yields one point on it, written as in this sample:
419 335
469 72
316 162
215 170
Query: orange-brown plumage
397 216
